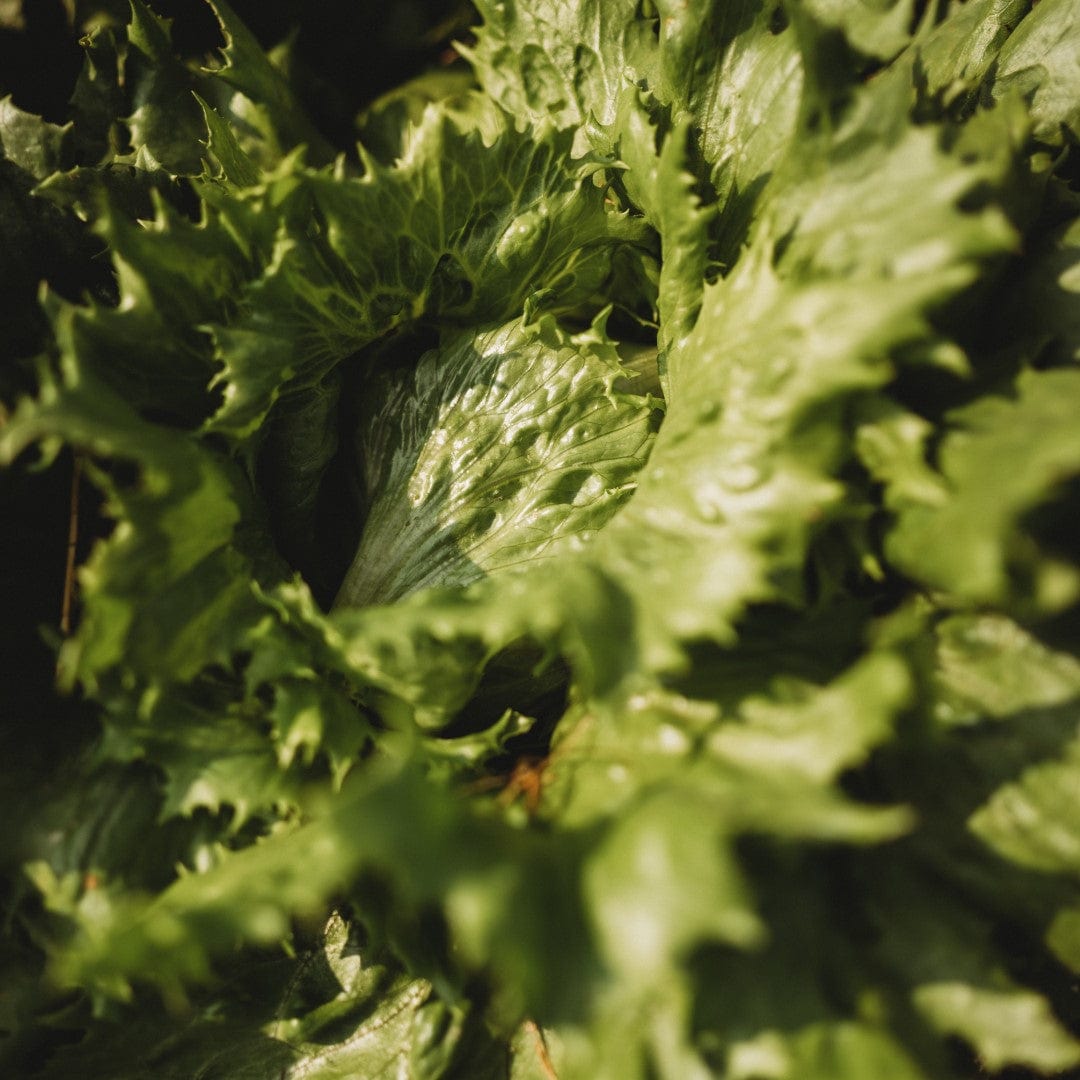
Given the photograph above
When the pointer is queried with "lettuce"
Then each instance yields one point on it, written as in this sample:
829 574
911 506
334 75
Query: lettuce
585 581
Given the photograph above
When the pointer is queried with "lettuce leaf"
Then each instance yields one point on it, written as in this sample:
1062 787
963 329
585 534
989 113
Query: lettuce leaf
504 447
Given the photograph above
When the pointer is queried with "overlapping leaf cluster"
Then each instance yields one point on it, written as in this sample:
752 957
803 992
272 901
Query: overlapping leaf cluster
590 585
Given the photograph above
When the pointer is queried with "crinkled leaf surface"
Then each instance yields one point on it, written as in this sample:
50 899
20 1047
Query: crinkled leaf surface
1039 63
569 62
503 447
468 229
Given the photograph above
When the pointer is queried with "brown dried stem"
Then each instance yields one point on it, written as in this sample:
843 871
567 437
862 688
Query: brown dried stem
72 545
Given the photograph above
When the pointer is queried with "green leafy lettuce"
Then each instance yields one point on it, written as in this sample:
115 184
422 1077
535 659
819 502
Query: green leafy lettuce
585 582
